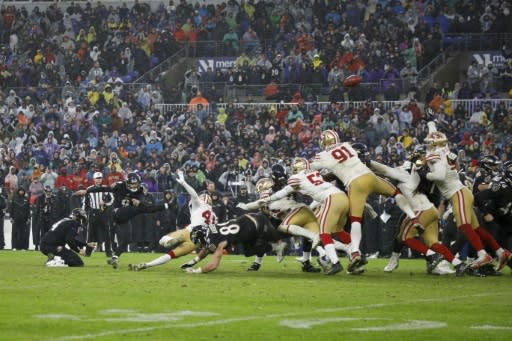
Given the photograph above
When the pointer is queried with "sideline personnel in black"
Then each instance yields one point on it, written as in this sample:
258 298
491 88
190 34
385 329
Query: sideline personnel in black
67 232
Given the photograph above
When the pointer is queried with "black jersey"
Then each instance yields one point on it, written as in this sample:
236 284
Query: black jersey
496 200
63 232
122 195
245 229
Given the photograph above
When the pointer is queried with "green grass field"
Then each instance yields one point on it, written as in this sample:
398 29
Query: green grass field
277 303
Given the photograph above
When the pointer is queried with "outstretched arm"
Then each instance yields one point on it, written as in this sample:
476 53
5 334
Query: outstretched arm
190 190
214 262
389 172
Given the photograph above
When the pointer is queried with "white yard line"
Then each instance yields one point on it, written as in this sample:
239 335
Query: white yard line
426 324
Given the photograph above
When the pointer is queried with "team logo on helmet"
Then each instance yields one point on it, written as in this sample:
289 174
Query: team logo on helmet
329 138
300 164
264 184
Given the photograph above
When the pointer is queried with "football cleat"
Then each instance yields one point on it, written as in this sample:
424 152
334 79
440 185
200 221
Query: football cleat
254 267
477 272
442 269
488 270
460 269
334 269
114 261
137 267
394 262
324 263
481 261
355 261
433 261
360 268
504 258
308 267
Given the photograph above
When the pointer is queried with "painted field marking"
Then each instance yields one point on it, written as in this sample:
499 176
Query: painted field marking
261 317
491 327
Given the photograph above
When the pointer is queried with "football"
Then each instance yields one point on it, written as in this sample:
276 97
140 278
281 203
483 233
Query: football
352 80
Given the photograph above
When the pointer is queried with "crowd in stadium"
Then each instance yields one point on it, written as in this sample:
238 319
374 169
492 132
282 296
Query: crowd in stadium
68 109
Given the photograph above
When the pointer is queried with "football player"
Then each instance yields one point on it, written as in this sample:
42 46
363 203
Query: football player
488 170
179 242
253 231
333 210
343 161
290 217
443 172
495 204
416 188
62 243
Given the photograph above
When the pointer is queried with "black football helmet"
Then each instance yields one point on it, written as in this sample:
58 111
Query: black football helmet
418 153
279 173
79 215
361 149
133 181
490 164
198 234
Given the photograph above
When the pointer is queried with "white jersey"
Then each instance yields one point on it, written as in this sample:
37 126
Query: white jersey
407 183
311 183
342 160
443 173
279 208
201 213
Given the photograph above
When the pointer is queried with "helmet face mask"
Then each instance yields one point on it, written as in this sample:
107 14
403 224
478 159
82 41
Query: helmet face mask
133 182
300 164
361 149
490 164
328 138
206 198
278 173
436 140
418 155
198 235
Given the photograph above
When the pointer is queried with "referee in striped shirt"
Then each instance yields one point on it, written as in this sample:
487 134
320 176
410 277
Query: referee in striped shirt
95 204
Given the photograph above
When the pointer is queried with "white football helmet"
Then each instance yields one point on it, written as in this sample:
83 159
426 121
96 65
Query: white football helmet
300 164
328 138
206 198
264 184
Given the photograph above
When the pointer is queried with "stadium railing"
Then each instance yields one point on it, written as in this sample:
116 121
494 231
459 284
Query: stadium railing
469 105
